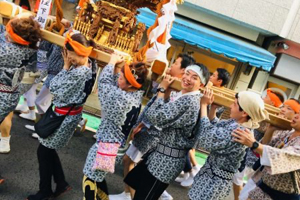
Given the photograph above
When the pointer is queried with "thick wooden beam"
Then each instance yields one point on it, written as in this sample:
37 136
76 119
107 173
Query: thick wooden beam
59 40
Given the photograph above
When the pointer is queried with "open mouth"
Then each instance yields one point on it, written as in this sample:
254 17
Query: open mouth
185 83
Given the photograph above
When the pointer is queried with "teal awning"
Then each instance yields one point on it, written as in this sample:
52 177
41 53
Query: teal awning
217 42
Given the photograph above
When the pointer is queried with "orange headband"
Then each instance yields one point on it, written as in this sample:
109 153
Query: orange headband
293 104
130 78
14 36
80 49
274 98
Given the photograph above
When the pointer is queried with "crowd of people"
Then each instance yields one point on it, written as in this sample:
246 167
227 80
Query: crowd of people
164 135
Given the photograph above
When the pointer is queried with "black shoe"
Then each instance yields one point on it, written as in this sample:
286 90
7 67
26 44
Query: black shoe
40 196
61 190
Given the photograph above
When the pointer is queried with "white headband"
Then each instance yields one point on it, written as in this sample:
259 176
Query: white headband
198 71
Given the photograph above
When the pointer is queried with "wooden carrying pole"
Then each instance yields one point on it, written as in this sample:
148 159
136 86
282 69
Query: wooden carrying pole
224 99
57 39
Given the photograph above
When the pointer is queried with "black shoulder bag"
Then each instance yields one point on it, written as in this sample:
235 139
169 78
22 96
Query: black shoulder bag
49 122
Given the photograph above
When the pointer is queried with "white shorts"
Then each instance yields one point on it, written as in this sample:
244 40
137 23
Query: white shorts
134 154
239 176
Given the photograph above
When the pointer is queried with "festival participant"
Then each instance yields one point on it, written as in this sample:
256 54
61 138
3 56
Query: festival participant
18 44
219 78
144 142
54 65
287 111
119 90
214 179
174 121
68 88
280 160
245 170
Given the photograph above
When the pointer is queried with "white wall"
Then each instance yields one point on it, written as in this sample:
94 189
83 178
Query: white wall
288 67
269 15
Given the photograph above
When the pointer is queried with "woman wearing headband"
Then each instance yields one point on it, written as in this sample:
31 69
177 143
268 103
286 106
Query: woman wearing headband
119 90
68 90
17 45
174 121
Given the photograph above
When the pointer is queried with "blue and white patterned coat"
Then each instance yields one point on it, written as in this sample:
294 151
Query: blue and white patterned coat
175 120
11 57
144 141
115 104
225 154
67 88
55 60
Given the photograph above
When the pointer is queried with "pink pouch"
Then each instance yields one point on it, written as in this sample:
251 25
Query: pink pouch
106 157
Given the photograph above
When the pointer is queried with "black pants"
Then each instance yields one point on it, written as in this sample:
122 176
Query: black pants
49 165
146 186
188 166
93 190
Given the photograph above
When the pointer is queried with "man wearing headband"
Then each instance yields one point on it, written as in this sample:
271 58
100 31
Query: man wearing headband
144 142
174 121
278 177
213 182
219 78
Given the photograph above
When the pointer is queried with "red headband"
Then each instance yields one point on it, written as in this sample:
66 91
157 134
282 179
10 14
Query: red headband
130 77
274 98
14 36
293 104
79 49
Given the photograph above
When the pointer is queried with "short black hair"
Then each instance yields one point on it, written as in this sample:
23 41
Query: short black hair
240 108
279 95
295 100
186 60
205 72
223 75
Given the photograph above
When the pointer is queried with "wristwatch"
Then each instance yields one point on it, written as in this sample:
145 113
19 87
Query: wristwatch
161 90
254 145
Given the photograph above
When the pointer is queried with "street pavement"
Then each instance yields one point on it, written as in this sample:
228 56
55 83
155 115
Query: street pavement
20 166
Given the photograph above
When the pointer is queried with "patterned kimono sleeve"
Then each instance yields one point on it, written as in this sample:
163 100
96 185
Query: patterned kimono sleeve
282 160
60 85
143 118
45 45
172 114
32 63
107 77
214 136
278 135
